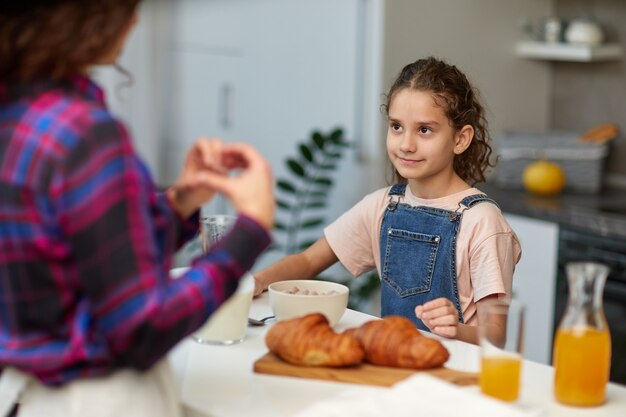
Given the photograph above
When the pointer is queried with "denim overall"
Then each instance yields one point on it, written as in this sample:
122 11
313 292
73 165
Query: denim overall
418 254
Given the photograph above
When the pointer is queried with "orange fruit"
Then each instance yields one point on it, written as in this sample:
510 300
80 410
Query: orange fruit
543 178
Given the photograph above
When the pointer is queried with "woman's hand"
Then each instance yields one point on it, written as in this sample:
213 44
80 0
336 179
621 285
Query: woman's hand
440 316
189 192
250 188
206 172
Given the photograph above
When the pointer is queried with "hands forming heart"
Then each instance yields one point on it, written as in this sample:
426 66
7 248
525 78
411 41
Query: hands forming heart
237 171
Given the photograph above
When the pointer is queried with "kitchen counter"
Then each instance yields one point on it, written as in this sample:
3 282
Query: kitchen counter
218 381
603 214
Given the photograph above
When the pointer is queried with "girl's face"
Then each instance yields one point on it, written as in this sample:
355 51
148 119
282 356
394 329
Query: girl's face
422 144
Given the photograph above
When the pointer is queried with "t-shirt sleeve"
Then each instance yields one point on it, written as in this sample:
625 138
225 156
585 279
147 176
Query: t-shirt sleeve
353 236
494 252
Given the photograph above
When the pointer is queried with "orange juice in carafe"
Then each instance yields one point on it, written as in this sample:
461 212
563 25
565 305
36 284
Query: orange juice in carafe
582 358
582 346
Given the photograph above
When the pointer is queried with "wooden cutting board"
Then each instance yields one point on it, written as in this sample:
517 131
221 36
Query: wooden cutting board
361 374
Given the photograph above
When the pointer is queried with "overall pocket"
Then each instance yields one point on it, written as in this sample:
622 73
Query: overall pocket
409 261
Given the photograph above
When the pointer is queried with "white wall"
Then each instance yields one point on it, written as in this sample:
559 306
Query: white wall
479 37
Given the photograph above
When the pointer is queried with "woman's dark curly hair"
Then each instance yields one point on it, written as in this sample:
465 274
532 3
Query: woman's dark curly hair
56 38
453 92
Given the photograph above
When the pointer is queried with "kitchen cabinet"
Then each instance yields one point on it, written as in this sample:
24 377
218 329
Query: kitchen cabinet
534 282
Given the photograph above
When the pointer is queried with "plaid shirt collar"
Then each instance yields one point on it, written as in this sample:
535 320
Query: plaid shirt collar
78 84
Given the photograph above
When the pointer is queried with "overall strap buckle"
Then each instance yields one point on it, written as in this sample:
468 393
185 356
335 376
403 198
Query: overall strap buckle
397 190
393 203
458 212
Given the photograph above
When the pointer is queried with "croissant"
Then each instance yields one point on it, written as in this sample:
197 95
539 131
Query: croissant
309 340
394 341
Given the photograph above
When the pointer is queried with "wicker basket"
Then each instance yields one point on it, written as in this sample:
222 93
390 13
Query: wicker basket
582 162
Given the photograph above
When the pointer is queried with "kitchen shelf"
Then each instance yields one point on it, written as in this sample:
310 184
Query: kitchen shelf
569 52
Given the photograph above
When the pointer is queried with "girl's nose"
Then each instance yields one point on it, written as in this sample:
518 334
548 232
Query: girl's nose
408 144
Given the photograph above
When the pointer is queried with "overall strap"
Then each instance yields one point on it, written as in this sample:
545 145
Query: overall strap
397 191
471 200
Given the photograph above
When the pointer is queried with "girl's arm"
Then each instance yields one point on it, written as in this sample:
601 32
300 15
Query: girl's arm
304 265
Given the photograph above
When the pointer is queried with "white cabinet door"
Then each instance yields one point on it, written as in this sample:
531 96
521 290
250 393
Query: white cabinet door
204 98
534 282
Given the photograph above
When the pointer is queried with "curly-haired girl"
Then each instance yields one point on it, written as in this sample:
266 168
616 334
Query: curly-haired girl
440 245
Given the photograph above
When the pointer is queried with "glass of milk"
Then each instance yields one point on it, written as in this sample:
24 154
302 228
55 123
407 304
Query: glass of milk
227 325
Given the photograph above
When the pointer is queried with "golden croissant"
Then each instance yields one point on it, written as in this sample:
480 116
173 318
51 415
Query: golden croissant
309 340
394 341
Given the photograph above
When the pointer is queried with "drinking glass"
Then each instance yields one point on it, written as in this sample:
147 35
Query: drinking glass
213 227
501 336
227 325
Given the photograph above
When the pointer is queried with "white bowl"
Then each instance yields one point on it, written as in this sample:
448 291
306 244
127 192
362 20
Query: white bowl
331 299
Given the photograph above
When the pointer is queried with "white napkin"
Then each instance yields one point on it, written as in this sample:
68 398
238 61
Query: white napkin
421 395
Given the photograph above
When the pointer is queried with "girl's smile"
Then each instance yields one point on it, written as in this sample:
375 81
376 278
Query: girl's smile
407 161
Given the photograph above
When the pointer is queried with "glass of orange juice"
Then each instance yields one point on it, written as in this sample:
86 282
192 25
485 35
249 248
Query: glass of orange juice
501 337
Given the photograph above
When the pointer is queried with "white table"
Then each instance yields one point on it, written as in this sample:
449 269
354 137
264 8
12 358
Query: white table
218 381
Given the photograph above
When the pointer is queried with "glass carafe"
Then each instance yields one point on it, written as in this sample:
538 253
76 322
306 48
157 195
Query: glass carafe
582 346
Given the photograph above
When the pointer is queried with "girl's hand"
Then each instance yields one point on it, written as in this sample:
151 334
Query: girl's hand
440 316
259 287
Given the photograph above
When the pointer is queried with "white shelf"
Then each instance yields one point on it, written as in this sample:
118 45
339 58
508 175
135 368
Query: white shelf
569 52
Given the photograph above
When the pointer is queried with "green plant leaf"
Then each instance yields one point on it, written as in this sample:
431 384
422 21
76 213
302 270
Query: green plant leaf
336 136
279 226
315 205
333 155
307 224
321 194
283 204
319 181
296 167
328 182
286 186
306 152
326 167
318 140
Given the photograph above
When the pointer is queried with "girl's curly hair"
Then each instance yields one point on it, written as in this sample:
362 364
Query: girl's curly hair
56 38
453 92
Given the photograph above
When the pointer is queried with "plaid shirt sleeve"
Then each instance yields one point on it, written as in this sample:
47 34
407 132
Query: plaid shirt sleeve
120 230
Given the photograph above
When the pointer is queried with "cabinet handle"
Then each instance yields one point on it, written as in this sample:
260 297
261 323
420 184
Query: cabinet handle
226 93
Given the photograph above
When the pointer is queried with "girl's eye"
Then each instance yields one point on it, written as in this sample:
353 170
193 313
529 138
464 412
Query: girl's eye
395 127
424 130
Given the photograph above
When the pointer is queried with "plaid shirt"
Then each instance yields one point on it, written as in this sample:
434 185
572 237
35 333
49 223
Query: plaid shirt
86 242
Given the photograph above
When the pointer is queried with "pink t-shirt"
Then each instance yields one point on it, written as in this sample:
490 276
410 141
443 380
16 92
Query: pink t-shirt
487 248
